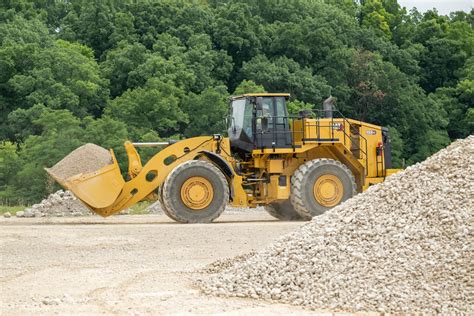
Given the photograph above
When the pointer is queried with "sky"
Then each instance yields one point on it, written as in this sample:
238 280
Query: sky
443 6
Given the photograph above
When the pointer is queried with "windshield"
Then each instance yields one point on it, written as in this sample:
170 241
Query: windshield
242 116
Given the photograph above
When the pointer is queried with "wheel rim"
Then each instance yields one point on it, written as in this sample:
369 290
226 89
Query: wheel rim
328 190
197 193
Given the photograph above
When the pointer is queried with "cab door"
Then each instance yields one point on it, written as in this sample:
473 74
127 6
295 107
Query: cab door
272 128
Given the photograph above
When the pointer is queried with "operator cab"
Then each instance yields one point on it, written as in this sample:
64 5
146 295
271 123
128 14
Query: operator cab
259 120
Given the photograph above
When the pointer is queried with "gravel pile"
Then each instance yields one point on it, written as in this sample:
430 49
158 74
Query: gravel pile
402 246
225 263
85 159
60 203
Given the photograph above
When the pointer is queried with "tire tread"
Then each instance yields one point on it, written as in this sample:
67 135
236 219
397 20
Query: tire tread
297 182
168 200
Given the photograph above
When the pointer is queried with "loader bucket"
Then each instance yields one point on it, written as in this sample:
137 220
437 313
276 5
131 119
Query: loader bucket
98 189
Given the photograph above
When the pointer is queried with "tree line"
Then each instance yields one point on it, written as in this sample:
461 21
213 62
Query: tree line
81 71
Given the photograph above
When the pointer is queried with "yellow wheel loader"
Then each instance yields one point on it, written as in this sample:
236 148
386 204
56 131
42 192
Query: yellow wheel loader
296 167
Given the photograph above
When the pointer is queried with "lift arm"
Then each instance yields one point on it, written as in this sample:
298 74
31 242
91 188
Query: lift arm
105 191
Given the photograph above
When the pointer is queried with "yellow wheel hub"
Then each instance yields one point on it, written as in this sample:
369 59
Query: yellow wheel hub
328 190
197 193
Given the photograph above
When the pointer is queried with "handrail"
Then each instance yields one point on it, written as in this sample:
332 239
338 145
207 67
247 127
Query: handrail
361 146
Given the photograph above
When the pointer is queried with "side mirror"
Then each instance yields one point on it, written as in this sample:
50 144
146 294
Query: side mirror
259 103
230 121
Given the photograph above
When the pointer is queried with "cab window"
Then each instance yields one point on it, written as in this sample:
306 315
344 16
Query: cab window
280 110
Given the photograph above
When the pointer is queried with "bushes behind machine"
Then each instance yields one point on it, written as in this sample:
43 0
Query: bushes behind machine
85 159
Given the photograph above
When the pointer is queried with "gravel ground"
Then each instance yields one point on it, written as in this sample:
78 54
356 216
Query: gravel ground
125 265
65 204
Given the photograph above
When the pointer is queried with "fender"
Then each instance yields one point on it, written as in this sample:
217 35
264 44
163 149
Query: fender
224 166
220 162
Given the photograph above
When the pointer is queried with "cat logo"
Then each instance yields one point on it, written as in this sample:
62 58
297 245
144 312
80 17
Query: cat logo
371 132
337 126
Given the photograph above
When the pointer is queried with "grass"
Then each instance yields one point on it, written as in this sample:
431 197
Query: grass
11 209
140 208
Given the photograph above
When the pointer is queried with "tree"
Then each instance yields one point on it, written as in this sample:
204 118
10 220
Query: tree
152 107
19 122
9 165
91 24
457 102
248 86
211 67
118 64
374 15
441 62
235 30
172 70
123 29
285 75
206 111
61 133
294 107
63 75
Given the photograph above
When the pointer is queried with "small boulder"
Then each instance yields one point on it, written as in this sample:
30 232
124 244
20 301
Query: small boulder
20 214
7 215
29 212
124 212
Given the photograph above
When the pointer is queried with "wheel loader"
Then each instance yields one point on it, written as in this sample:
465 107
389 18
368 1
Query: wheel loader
296 166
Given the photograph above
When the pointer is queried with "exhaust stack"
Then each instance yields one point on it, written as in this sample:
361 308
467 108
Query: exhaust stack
328 107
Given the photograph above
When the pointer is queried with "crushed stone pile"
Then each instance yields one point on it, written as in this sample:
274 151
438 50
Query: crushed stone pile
58 204
85 159
222 264
403 246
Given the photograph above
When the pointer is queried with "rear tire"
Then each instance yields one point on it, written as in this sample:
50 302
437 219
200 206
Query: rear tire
195 192
319 185
284 211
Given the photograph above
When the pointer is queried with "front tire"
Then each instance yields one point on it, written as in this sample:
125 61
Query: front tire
163 206
195 192
319 185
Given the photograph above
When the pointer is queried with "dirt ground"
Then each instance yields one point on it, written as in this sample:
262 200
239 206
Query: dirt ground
125 264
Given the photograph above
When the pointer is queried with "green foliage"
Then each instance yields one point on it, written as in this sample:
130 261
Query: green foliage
58 132
78 71
285 74
153 107
374 15
9 165
295 106
206 112
118 64
61 75
248 86
61 133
